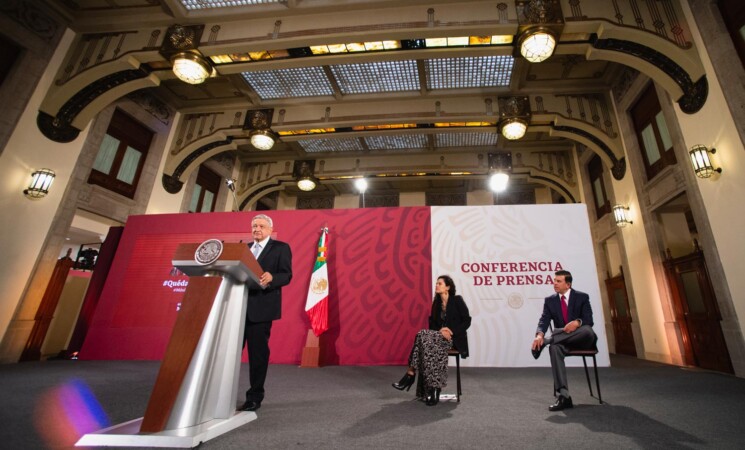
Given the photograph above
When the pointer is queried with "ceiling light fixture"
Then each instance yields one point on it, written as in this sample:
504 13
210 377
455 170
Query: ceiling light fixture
191 68
306 183
537 44
514 128
361 185
514 116
230 183
500 166
180 47
303 173
258 124
498 182
262 139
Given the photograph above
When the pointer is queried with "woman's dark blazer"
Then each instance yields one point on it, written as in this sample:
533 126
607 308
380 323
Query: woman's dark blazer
457 319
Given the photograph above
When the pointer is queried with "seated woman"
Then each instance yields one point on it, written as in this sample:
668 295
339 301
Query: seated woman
448 323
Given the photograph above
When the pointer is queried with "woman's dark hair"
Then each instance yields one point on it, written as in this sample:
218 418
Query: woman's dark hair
449 283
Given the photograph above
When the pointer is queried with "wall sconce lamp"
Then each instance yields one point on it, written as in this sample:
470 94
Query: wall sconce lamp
537 44
258 123
303 171
514 116
41 181
621 215
180 47
701 161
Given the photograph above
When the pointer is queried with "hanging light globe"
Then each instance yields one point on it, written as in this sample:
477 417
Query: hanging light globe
514 128
262 139
191 68
537 45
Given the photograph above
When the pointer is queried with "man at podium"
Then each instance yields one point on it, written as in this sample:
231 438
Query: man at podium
264 304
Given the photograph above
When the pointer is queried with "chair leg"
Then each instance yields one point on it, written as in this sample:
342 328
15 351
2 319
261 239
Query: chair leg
457 375
597 380
587 373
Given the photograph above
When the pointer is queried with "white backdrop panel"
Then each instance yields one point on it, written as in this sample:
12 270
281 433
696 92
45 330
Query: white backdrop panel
502 259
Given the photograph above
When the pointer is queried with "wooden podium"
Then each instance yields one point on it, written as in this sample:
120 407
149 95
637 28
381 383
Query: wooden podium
195 393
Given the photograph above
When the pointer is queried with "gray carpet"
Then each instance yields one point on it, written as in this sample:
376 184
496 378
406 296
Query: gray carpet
646 405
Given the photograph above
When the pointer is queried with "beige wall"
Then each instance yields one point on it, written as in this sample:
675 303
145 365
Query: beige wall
25 223
411 199
480 198
346 201
723 194
640 275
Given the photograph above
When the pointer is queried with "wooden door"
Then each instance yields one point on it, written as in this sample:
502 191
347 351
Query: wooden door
697 313
47 307
620 313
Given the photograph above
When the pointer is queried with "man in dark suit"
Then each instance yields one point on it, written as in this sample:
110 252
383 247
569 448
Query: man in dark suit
264 304
571 313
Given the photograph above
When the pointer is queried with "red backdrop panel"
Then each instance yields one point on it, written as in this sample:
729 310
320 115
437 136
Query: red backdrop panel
379 273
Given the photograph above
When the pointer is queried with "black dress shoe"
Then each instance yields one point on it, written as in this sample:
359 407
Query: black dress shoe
561 404
250 405
433 397
537 353
405 382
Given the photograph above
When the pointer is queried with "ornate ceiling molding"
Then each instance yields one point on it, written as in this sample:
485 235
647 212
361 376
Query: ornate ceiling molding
60 127
694 93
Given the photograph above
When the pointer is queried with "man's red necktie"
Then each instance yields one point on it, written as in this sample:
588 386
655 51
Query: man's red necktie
564 309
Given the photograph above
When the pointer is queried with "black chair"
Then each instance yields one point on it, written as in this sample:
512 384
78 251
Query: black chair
585 354
452 352
456 354
590 352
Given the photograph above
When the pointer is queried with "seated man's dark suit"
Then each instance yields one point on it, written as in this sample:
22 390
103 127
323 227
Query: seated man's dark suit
582 338
264 306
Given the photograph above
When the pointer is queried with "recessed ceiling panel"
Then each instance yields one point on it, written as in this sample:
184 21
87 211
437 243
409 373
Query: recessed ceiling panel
331 145
287 83
212 4
456 140
402 142
453 73
385 76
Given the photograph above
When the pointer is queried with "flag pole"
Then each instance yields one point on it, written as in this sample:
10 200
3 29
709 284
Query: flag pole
311 351
311 356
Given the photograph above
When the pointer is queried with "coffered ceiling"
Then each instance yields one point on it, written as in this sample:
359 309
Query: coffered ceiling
389 85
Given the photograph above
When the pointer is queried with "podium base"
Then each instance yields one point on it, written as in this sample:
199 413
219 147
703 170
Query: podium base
127 434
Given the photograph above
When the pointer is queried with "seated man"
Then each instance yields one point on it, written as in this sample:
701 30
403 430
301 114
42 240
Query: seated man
571 313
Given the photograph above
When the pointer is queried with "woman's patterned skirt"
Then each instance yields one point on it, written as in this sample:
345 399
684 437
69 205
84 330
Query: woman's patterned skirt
429 356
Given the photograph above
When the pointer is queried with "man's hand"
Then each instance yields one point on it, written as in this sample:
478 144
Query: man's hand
571 326
446 333
265 279
537 342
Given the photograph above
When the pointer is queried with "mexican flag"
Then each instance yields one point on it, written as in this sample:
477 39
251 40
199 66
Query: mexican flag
317 304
